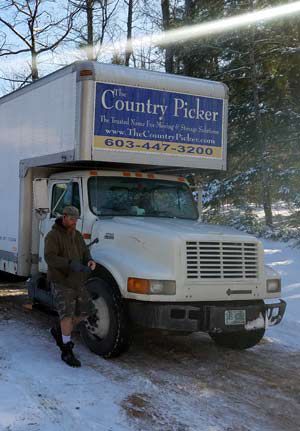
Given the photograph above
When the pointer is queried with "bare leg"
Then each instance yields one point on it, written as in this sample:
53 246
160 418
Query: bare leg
66 325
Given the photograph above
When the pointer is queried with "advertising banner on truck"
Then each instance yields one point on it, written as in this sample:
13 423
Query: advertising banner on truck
155 122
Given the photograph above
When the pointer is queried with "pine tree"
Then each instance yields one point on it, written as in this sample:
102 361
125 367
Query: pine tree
260 65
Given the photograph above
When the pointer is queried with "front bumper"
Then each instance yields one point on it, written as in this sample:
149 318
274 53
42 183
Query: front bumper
275 312
205 317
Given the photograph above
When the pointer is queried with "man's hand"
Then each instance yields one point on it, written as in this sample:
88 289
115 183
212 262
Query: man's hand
78 267
92 265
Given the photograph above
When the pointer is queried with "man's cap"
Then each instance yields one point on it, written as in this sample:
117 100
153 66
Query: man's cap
71 211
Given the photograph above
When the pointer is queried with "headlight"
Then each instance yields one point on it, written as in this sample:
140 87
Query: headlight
274 286
151 287
162 287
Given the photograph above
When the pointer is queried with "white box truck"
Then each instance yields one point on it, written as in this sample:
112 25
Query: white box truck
116 143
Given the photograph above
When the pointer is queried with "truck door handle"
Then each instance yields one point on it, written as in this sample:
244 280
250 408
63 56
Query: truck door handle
95 241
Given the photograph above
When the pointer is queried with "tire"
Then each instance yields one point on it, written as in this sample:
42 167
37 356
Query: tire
239 340
106 332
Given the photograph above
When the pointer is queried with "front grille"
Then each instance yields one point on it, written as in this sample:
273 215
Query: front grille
221 260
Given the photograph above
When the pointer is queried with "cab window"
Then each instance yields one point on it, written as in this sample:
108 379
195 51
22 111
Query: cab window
64 194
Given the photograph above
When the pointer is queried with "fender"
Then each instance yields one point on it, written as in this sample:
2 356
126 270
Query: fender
121 267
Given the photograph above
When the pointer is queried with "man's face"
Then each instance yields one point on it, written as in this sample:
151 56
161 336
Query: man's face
69 222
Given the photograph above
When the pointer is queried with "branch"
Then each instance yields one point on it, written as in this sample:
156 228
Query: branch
19 9
58 41
3 54
15 31
22 81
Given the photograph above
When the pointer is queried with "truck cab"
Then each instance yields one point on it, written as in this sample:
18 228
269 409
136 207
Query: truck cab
159 266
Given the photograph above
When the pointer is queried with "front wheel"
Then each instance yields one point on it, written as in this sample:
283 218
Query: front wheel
106 331
238 340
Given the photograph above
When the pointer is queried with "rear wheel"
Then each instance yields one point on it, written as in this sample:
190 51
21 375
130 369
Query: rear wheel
238 340
106 331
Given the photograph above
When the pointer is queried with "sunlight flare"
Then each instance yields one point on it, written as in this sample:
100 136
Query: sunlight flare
206 29
170 37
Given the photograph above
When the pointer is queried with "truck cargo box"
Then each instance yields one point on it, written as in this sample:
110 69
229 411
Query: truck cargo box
100 112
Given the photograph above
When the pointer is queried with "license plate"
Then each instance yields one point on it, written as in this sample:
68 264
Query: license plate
235 317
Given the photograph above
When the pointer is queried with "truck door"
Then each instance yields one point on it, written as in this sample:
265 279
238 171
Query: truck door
62 193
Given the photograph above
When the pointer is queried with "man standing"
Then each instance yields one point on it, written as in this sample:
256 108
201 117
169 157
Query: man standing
69 261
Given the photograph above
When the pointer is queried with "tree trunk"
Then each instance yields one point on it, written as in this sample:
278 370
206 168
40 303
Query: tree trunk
34 67
128 51
267 201
261 138
169 54
189 6
90 29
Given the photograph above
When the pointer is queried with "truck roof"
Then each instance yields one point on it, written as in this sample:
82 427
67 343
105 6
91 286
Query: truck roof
139 77
120 173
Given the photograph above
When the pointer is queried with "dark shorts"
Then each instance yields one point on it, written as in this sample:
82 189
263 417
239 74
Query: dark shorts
71 302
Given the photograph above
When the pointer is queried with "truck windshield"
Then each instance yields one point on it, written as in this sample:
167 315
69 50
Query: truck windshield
119 196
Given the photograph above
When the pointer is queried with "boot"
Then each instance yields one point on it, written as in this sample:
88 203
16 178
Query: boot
57 335
67 355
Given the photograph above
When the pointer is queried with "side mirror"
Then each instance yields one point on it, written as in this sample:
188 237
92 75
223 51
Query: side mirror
40 195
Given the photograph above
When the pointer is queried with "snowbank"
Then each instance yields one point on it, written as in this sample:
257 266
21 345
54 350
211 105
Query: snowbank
286 260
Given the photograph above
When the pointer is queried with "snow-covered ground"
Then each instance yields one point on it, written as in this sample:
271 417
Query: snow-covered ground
286 260
163 383
279 208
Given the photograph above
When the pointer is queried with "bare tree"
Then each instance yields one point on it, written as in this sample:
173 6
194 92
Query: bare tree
91 31
31 27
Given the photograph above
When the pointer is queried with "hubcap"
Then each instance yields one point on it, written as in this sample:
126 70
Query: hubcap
99 323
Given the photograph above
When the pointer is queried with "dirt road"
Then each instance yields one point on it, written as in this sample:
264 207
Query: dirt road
177 383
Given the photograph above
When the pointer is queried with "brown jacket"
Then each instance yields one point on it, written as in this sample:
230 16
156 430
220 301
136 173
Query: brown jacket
61 247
